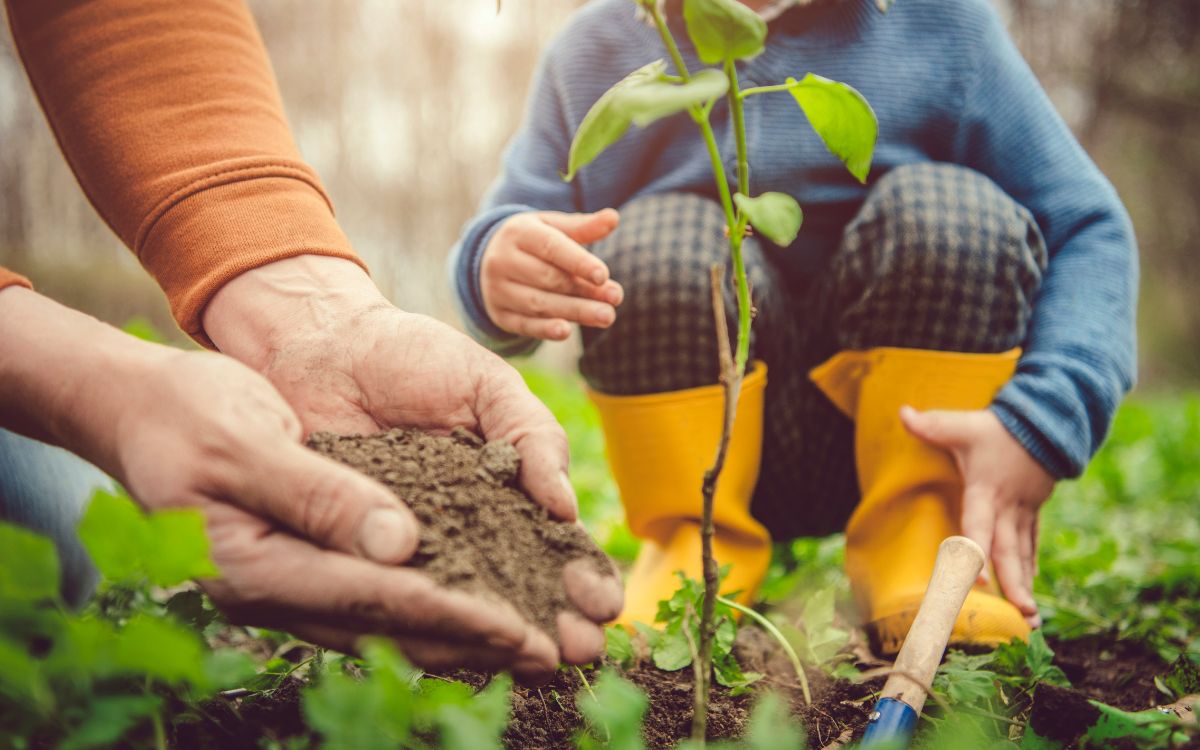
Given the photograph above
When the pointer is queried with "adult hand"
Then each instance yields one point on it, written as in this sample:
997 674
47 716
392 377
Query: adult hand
1004 489
349 362
536 277
301 541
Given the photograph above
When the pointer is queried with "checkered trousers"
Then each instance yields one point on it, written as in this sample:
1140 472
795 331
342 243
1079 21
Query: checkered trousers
938 257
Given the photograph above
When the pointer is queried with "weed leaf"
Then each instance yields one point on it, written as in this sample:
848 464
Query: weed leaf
771 726
614 714
166 548
28 566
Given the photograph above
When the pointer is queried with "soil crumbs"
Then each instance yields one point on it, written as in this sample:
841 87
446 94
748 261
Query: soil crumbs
479 532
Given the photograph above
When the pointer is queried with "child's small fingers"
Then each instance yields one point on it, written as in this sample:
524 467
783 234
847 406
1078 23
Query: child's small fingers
547 329
584 228
538 303
527 270
559 250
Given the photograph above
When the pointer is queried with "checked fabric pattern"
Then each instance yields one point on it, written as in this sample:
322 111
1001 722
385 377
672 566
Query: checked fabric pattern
938 257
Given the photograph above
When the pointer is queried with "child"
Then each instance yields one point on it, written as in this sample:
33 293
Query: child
944 342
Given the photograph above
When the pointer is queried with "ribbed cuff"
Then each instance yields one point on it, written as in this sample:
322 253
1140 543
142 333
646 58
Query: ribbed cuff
1053 458
465 272
206 239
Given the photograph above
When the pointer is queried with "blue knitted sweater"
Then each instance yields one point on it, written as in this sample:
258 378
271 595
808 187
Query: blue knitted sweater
947 85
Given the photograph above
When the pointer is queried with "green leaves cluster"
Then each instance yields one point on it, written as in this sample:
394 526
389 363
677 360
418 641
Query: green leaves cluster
86 680
817 638
129 547
674 647
722 33
1006 676
395 707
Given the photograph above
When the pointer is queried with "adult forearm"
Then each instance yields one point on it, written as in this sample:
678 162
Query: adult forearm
62 373
169 116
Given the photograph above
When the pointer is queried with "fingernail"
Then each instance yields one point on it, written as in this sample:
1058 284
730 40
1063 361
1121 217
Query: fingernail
569 493
387 536
1035 621
599 277
606 317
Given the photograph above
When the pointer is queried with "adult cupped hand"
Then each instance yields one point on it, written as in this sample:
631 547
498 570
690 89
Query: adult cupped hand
302 542
349 362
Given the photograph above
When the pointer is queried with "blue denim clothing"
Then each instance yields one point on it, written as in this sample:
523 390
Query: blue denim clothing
45 489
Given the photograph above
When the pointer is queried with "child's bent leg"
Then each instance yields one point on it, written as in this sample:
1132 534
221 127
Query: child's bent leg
653 376
931 292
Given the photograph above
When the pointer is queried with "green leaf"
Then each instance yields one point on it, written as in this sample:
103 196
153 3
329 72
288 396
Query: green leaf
772 726
109 718
777 216
618 645
28 565
227 668
672 651
614 713
480 721
160 649
1145 729
165 548
189 608
21 678
1184 676
842 118
640 98
655 99
724 30
376 713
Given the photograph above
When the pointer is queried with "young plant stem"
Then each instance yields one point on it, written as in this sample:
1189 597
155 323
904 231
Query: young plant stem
732 367
773 631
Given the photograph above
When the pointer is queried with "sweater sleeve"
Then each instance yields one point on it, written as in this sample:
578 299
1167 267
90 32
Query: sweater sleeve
1079 357
8 278
169 116
529 181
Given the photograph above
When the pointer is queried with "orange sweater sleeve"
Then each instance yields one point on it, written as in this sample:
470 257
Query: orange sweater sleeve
8 278
169 115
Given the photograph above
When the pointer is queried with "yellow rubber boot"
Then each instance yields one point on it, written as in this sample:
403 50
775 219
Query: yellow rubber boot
659 446
911 492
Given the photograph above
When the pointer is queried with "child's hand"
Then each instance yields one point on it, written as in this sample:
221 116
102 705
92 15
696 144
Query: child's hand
536 277
1003 490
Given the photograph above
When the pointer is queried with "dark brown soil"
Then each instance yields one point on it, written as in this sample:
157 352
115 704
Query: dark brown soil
479 532
1119 673
545 717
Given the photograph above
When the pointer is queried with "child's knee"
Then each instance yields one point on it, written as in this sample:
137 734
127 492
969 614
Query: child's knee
942 228
663 336
663 235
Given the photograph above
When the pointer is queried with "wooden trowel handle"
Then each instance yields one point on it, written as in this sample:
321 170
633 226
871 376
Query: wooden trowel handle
959 561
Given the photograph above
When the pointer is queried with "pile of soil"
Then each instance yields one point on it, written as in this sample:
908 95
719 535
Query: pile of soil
479 532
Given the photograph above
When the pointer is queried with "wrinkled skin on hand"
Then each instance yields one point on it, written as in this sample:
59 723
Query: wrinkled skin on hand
349 362
302 542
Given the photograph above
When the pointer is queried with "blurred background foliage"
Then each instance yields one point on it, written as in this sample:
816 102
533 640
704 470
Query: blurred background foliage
404 107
